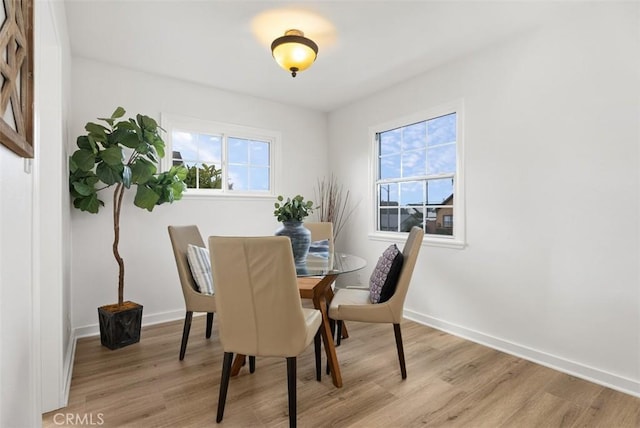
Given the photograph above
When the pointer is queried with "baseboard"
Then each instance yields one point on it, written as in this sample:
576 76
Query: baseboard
591 374
151 319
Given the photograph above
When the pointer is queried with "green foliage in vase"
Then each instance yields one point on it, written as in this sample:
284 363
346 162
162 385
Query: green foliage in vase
122 154
293 209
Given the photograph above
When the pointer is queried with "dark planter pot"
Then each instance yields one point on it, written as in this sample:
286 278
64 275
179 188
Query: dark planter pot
120 324
300 239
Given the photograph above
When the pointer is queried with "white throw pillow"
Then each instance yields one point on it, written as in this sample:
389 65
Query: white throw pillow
200 265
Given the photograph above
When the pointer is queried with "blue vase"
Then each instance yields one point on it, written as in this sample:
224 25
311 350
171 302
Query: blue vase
300 238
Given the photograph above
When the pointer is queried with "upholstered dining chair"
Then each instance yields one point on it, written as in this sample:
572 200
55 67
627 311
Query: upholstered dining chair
259 308
181 237
355 304
320 231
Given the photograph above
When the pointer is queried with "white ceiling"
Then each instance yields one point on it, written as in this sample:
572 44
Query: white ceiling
364 46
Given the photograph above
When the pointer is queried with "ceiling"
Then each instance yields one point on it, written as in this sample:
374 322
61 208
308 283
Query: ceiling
364 46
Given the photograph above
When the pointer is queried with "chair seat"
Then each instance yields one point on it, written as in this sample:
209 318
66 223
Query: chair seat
313 319
355 305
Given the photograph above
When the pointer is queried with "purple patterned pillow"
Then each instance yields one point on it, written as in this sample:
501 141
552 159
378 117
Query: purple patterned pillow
384 277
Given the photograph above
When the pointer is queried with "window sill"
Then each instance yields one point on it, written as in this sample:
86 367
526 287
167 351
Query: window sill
228 196
427 241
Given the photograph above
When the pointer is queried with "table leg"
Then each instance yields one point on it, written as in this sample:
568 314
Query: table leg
345 334
327 337
237 364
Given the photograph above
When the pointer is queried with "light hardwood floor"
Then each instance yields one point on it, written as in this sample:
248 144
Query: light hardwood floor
451 382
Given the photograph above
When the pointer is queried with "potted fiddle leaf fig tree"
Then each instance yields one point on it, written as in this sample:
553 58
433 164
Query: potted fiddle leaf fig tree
121 154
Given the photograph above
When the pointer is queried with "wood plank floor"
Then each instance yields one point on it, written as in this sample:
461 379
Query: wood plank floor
451 382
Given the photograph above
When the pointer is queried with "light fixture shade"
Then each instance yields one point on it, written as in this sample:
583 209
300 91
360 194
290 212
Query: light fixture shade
294 52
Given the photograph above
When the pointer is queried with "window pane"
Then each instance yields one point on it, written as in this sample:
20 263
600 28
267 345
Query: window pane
444 221
414 163
210 149
414 136
410 217
440 192
258 178
259 153
238 177
388 219
412 193
390 166
203 176
441 130
390 141
238 150
388 194
185 145
442 159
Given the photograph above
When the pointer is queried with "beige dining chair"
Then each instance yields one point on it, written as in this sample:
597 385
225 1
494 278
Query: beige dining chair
258 301
355 304
320 231
181 237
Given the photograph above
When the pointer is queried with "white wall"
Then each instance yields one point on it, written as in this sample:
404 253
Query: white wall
18 391
150 276
551 138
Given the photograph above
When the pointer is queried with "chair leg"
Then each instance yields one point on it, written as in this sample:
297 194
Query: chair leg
209 324
316 346
252 364
403 368
224 384
291 384
339 334
185 333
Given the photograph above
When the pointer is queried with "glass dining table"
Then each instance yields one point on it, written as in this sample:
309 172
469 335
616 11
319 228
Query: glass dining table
315 277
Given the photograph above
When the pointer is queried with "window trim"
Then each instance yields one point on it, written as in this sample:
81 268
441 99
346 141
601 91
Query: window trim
458 240
171 121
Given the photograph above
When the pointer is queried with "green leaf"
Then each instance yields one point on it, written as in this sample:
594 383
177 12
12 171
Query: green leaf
112 155
141 171
129 139
126 125
89 203
109 174
146 122
118 113
180 172
97 131
158 144
84 159
83 189
146 198
126 176
83 142
73 167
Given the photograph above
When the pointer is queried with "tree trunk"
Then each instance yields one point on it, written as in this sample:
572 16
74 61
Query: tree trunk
117 204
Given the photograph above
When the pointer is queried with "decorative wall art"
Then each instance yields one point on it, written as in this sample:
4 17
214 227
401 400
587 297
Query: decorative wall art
16 76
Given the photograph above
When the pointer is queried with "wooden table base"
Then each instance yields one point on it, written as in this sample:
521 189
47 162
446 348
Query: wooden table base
320 292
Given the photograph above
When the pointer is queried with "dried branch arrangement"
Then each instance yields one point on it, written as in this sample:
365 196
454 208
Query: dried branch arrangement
333 203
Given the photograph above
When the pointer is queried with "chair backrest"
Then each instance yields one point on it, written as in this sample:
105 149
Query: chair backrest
410 254
321 230
181 237
259 307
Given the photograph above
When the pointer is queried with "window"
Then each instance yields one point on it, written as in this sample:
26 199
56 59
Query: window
418 176
221 159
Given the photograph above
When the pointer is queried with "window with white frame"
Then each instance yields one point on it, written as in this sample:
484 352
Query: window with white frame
418 175
221 158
